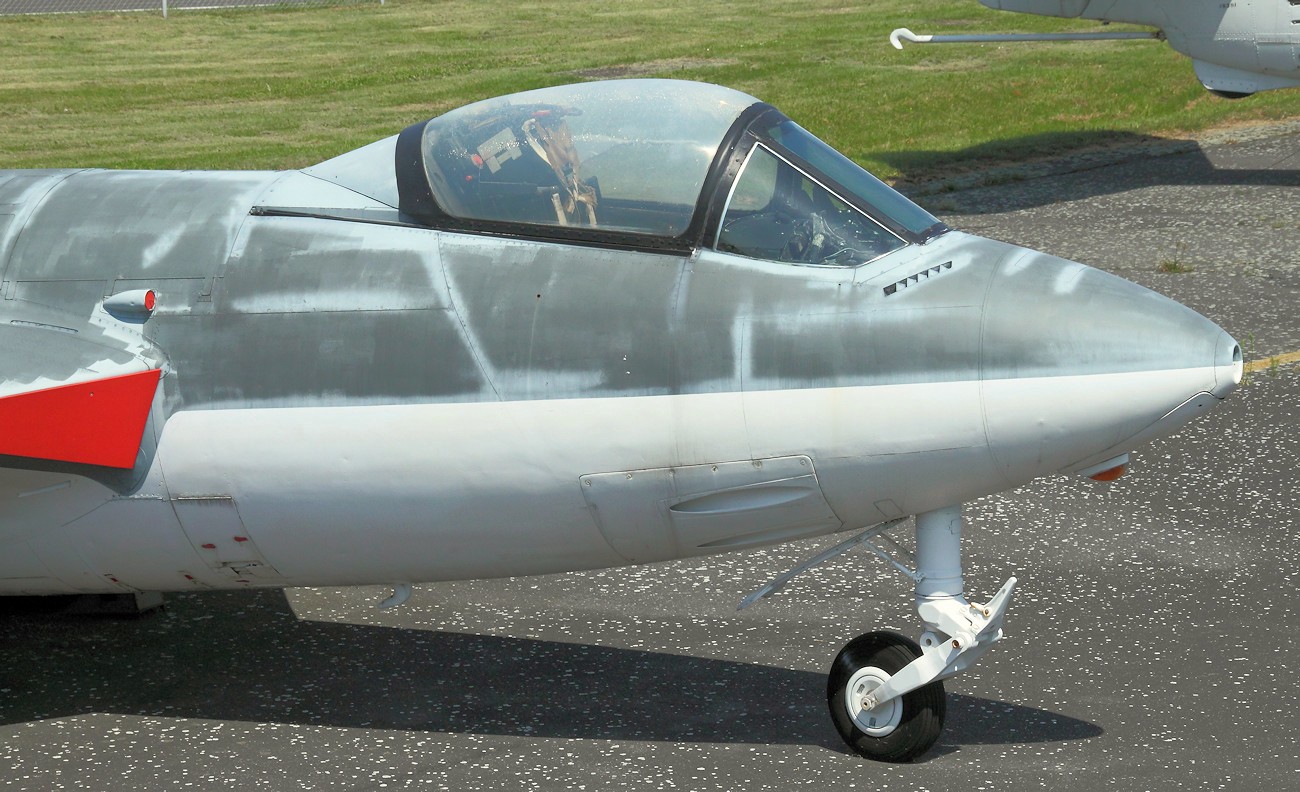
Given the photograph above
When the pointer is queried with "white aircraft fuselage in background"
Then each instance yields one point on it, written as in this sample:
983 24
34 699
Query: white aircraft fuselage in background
1238 47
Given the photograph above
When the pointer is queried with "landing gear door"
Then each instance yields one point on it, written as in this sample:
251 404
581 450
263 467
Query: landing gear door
657 514
216 530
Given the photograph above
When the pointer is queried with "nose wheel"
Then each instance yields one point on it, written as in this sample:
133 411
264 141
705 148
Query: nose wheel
898 729
886 692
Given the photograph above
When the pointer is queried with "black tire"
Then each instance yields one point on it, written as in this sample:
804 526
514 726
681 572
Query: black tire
921 719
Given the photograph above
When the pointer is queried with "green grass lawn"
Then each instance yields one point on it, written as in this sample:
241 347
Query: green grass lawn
289 87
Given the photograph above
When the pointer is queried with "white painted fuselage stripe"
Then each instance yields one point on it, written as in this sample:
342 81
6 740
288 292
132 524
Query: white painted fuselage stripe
354 495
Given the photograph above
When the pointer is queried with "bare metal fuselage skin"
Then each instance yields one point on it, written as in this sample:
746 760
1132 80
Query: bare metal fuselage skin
349 400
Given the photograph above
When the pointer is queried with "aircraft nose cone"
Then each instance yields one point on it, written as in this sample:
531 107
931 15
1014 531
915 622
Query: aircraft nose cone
1228 366
1079 366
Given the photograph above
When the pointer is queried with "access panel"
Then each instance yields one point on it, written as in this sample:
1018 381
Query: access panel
673 512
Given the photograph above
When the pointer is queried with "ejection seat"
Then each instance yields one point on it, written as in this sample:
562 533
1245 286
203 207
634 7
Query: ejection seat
520 165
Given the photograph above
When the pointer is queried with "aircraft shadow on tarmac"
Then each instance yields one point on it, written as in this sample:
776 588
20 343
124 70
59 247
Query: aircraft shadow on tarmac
1147 161
246 657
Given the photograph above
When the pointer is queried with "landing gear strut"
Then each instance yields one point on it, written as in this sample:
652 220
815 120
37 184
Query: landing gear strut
885 692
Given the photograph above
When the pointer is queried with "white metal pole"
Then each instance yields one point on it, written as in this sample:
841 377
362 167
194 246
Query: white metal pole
903 34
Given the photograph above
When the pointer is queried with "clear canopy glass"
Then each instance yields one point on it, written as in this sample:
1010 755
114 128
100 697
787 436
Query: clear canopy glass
623 155
869 190
779 213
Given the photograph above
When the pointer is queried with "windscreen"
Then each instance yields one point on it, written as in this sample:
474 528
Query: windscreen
888 202
779 213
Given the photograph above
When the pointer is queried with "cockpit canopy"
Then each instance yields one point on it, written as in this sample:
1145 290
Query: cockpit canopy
625 155
653 164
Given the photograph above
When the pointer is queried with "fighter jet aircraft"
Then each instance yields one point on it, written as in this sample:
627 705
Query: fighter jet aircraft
1237 48
584 326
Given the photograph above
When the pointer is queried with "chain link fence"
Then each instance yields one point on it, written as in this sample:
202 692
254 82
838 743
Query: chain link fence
11 7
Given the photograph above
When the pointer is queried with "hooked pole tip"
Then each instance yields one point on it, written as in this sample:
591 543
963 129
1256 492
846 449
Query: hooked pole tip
898 36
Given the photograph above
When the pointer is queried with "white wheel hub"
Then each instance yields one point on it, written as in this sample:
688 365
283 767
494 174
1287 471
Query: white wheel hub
880 720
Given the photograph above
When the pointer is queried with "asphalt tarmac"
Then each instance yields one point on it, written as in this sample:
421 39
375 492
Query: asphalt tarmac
1152 644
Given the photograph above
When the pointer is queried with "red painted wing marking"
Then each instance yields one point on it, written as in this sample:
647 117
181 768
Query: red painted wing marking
99 422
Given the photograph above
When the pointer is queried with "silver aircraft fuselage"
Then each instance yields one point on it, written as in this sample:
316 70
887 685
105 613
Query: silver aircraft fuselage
351 393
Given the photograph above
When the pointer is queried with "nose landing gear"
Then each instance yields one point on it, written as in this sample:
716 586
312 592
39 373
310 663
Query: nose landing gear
885 692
